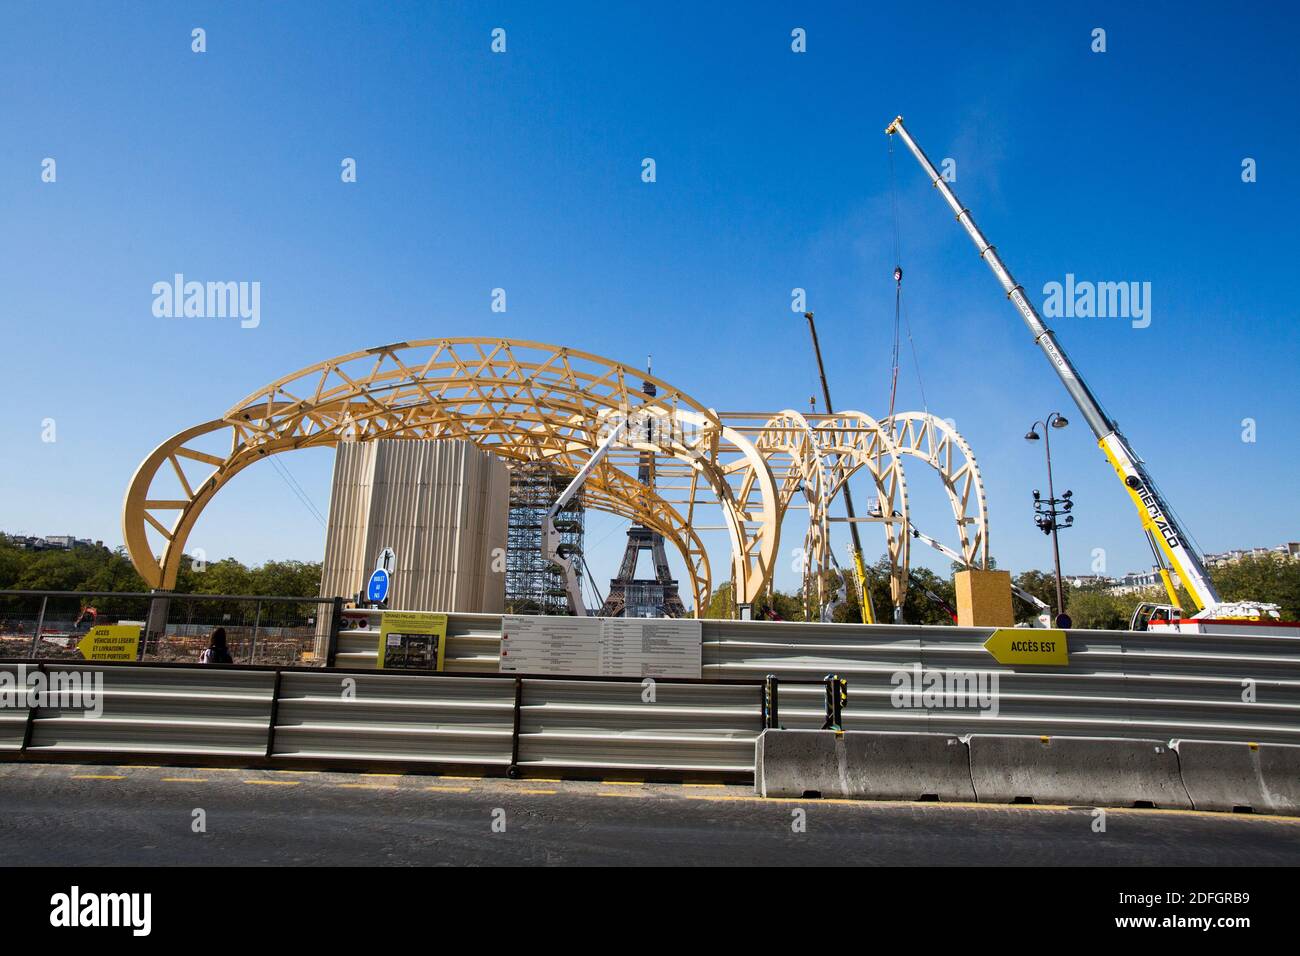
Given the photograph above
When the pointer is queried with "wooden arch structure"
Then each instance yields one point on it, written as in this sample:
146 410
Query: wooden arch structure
531 402
523 401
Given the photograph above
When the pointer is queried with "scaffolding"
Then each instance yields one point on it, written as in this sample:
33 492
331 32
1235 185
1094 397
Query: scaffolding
533 584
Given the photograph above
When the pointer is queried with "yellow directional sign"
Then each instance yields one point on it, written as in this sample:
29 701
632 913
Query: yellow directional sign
111 642
1028 645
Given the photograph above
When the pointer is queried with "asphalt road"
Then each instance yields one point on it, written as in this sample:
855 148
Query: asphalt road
60 814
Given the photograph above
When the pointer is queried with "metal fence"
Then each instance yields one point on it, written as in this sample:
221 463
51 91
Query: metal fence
367 718
1117 684
260 629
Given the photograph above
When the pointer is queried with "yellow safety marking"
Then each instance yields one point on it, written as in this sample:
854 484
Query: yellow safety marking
367 786
1012 807
275 783
184 779
450 789
622 793
543 780
537 791
712 785
448 776
383 775
709 796
96 776
622 783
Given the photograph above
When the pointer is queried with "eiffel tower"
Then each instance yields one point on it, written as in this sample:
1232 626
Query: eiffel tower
630 596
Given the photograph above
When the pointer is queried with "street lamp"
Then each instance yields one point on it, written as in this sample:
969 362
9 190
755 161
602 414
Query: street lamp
1047 512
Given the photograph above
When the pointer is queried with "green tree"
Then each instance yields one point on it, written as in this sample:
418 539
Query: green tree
1272 579
1090 608
720 603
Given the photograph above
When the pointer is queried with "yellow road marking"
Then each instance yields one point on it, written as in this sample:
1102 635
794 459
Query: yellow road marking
184 779
275 783
622 783
367 786
96 776
447 776
536 791
450 789
709 796
711 785
542 780
1010 807
622 793
383 775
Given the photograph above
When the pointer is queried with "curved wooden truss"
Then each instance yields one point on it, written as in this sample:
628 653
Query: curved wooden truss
523 401
531 402
816 455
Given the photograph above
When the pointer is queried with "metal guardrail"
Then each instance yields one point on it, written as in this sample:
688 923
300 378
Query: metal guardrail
411 718
1117 684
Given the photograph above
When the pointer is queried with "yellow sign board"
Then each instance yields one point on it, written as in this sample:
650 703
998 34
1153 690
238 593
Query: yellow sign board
1029 645
111 642
412 640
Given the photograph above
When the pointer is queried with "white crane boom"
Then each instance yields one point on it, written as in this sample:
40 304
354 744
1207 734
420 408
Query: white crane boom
1155 514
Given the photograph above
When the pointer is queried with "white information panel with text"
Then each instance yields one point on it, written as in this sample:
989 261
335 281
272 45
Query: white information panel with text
600 646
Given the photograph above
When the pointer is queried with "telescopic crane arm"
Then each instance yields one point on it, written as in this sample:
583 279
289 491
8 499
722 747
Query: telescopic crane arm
1154 512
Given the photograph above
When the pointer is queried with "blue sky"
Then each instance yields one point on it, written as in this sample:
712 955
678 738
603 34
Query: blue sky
522 170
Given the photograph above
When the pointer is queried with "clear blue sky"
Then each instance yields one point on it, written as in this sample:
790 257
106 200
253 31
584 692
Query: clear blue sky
522 171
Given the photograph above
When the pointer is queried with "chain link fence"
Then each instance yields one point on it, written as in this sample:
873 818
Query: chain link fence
260 629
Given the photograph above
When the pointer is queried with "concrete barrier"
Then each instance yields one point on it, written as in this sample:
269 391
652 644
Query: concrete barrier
1096 771
1222 776
862 765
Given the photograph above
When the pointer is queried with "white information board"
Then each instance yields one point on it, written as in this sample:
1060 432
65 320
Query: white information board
550 645
600 646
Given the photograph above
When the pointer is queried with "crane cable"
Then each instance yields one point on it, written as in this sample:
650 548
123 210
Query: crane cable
900 307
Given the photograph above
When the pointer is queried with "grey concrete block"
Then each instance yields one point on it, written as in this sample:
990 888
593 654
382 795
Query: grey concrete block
862 765
1096 771
1227 776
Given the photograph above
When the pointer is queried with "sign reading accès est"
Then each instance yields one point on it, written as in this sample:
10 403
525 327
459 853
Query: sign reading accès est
1029 646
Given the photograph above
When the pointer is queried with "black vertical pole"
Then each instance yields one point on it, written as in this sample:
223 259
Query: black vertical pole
336 624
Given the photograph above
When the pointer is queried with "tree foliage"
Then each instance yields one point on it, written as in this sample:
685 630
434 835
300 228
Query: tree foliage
96 568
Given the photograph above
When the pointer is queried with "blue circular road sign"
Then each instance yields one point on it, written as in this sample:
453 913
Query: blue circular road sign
377 586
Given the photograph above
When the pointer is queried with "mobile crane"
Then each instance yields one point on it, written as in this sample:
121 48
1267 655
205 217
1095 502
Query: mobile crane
1170 544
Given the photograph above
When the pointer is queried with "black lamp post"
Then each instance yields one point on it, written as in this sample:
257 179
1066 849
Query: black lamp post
1047 513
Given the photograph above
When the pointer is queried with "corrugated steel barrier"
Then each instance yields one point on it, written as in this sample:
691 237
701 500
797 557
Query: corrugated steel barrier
1117 684
413 719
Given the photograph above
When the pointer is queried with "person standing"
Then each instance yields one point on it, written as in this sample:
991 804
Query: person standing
216 652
